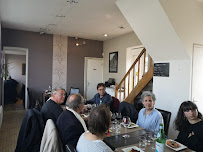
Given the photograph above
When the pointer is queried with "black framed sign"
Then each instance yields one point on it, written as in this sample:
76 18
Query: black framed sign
113 62
161 69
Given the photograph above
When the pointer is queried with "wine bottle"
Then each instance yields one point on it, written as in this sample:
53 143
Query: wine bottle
161 140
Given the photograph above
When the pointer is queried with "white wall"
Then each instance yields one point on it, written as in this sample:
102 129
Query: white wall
186 21
158 36
173 90
15 68
119 44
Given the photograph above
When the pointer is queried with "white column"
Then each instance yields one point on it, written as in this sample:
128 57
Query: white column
59 72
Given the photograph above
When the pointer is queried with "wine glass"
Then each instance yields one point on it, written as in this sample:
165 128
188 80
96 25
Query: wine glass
154 136
119 116
126 123
113 117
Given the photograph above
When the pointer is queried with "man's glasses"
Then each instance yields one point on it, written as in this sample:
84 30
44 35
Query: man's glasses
61 94
101 89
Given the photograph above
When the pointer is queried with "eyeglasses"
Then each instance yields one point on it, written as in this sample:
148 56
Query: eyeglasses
101 89
61 94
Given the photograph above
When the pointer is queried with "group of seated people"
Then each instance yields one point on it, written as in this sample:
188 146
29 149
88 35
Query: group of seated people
73 129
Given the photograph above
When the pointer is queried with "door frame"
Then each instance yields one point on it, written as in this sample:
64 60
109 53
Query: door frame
192 72
85 72
20 51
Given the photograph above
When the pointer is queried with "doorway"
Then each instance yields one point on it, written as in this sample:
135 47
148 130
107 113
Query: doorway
93 76
197 76
18 51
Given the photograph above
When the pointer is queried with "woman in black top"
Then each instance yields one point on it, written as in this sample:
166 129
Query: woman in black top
189 122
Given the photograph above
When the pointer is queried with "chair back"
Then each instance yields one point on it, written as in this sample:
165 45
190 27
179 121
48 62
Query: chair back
127 109
31 103
166 116
31 132
116 103
50 139
74 90
69 148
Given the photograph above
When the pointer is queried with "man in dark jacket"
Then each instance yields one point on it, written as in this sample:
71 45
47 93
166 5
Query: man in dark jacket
52 109
70 124
101 96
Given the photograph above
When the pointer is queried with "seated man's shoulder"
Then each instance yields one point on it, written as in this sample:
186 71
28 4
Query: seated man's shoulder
67 115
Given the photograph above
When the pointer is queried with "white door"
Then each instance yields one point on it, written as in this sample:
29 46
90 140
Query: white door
197 77
94 75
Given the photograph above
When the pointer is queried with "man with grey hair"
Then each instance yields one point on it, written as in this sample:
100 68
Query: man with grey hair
52 109
70 124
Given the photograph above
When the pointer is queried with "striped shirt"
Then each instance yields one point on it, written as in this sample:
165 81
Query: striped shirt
150 122
85 145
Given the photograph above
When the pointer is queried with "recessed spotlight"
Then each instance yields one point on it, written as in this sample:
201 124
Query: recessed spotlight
121 27
105 35
77 44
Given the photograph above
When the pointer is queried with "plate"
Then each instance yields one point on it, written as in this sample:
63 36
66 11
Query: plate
132 125
130 148
176 149
84 116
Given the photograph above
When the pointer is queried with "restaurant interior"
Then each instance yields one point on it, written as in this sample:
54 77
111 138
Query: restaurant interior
131 46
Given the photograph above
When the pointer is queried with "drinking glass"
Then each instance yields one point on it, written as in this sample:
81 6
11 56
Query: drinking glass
154 136
117 127
113 118
142 142
126 123
148 136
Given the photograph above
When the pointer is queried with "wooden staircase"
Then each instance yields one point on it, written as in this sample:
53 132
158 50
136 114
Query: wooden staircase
137 77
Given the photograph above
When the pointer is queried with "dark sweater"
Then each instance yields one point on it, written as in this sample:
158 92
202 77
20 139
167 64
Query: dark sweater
194 142
51 110
69 128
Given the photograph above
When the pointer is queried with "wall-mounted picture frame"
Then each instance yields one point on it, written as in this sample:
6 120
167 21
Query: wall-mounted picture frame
113 62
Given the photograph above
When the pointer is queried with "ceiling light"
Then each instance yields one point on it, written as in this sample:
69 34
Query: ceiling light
105 35
52 24
60 15
41 32
77 44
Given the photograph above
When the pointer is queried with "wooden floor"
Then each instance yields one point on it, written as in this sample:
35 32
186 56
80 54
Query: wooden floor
12 118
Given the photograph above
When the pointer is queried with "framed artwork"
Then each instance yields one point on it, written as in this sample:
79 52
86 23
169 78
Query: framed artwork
113 62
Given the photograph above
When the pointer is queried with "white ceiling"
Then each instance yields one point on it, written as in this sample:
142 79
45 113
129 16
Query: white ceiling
88 19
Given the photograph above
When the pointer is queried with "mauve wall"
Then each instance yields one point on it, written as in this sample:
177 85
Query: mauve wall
39 57
0 68
76 59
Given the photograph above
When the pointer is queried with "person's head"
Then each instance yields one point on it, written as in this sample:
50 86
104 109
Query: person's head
58 95
99 120
187 111
101 89
148 99
75 102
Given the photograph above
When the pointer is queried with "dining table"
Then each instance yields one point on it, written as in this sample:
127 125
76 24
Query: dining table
117 143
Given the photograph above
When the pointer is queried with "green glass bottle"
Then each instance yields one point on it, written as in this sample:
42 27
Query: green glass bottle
100 102
161 140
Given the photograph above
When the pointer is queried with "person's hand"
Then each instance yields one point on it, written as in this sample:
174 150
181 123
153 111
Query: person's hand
191 134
